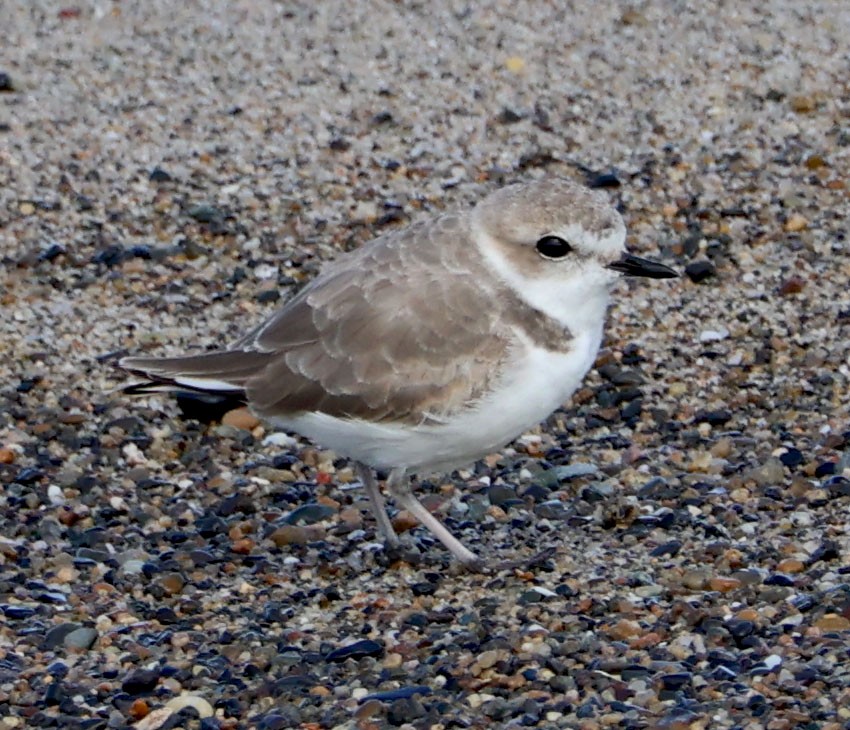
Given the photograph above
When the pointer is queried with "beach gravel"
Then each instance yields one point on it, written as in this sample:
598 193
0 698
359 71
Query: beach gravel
170 172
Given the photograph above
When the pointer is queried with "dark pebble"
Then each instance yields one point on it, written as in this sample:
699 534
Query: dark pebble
141 681
57 669
721 657
309 514
690 246
57 634
267 296
671 548
723 673
84 203
28 475
826 551
54 694
339 144
634 671
423 589
17 612
531 596
826 469
53 251
838 486
739 628
54 597
508 116
237 503
205 213
110 256
25 385
380 118
6 84
604 180
713 418
159 175
405 711
402 693
536 492
700 271
357 650
618 376
803 602
675 682
792 457
499 494
779 579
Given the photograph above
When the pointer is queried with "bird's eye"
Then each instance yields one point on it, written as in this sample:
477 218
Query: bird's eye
552 247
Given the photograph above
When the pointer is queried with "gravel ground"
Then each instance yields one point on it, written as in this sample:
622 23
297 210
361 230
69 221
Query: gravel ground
170 170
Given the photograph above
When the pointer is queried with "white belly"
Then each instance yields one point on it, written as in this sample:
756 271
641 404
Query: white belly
538 384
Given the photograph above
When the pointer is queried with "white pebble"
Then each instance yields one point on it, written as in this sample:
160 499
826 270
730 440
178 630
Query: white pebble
713 335
55 494
279 438
772 661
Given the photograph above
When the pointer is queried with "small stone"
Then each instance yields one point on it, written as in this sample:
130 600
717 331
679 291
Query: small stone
488 658
791 565
833 622
141 681
171 583
624 629
205 213
357 650
290 535
713 335
199 704
81 639
502 494
772 661
792 285
309 514
403 521
700 271
139 709
159 175
56 636
740 495
240 418
796 223
7 456
695 579
515 64
723 585
803 103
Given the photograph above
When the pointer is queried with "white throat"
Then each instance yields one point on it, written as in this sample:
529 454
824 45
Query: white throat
577 301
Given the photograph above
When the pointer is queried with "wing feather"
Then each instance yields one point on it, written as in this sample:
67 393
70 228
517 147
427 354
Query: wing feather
393 331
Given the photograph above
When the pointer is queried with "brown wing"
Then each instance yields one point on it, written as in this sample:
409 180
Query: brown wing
393 331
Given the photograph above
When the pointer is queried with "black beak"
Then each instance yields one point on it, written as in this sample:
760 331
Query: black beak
636 266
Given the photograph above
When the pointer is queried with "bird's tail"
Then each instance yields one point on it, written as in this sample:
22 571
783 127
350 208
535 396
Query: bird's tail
223 372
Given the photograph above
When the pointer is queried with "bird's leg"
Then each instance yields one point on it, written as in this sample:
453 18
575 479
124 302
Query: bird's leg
376 500
398 486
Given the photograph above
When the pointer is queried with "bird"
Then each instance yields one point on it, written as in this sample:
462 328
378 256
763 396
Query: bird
434 345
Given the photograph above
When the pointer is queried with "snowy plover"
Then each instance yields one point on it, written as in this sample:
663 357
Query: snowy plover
432 346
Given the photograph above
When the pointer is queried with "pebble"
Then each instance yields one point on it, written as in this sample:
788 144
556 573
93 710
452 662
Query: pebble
241 418
717 335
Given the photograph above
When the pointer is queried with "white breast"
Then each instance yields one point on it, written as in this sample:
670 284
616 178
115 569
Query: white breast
536 384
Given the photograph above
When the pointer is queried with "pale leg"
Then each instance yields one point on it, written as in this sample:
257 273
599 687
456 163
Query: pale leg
385 527
398 486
